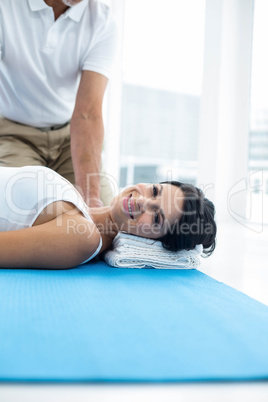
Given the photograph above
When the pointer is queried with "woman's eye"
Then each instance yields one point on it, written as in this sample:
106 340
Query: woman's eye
155 191
156 218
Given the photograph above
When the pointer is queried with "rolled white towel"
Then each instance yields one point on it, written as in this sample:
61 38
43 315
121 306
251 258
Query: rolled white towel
130 251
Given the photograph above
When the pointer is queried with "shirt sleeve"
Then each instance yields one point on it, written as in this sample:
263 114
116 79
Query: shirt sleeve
100 56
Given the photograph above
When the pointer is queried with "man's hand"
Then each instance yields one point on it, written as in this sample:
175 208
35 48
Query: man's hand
91 199
94 202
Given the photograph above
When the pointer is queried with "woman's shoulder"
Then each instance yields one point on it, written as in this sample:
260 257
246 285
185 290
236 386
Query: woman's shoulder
94 237
87 238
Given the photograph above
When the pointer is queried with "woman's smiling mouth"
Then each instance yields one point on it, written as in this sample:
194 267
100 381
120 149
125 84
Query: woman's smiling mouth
128 206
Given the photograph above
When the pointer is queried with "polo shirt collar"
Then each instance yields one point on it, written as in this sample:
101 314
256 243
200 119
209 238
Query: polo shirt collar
36 5
75 12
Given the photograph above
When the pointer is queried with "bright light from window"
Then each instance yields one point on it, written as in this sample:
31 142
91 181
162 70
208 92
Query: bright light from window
258 138
259 82
164 44
162 80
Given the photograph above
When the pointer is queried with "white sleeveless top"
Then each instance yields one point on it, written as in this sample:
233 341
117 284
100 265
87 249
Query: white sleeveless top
26 191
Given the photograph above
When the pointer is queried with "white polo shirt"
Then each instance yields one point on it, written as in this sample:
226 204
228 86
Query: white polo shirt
42 59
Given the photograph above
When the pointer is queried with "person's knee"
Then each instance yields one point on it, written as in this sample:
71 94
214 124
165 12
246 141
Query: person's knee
13 154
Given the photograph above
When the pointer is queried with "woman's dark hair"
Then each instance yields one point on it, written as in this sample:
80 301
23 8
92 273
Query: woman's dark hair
196 225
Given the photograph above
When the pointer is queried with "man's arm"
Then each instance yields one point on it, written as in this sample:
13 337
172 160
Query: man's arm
87 133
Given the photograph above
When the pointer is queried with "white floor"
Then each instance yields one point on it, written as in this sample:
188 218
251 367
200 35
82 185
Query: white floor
240 260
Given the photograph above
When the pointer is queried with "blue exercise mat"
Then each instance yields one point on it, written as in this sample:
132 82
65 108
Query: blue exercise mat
96 323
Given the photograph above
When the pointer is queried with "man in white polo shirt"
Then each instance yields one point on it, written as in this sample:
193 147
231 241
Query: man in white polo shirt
55 61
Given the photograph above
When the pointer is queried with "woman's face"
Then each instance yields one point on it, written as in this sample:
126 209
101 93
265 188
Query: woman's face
147 210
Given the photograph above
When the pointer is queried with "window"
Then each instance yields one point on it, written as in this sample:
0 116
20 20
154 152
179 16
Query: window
168 129
162 78
258 135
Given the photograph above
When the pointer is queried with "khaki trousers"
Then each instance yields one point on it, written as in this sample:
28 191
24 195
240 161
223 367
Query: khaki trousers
22 145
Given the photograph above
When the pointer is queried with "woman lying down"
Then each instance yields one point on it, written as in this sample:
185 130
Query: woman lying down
44 222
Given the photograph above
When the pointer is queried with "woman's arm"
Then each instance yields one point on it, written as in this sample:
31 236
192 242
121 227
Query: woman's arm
63 242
